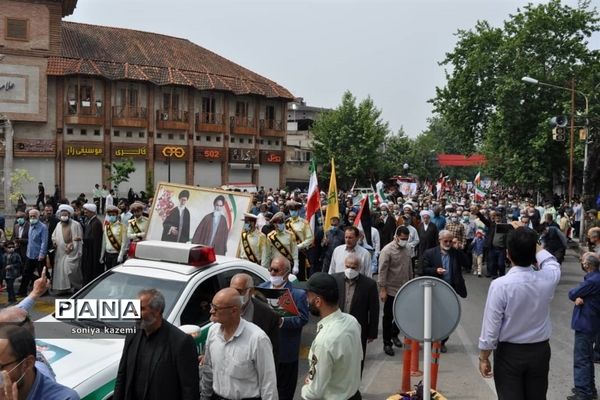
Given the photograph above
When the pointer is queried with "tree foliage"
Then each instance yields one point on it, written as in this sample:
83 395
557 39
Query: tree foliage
17 179
119 172
352 135
490 109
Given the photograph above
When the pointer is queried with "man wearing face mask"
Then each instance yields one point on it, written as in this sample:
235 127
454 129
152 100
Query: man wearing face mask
290 328
213 230
17 356
358 297
138 225
282 242
386 225
395 269
21 234
351 246
253 244
333 238
67 239
37 248
114 240
257 311
92 244
334 357
303 235
586 323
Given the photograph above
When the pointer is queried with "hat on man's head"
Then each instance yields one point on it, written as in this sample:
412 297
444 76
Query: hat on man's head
321 284
137 205
249 216
91 207
292 204
278 216
65 207
112 209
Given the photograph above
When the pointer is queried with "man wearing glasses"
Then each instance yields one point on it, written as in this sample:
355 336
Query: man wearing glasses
238 363
446 262
290 329
20 377
257 311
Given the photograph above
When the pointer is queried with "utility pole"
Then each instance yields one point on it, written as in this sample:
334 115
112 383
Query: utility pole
572 139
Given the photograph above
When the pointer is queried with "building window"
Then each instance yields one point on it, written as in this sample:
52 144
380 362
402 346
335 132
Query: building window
218 138
250 140
69 131
17 29
170 136
181 136
129 134
96 132
241 109
83 132
269 142
208 115
142 135
262 141
117 133
197 138
277 143
159 135
208 138
232 140
241 140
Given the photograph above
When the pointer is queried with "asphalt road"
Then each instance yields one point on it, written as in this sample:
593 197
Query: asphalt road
458 374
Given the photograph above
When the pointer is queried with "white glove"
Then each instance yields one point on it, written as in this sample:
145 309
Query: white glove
101 260
295 270
119 260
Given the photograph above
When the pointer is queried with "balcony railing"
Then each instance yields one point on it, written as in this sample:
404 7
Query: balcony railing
129 112
210 122
244 122
271 127
84 112
172 119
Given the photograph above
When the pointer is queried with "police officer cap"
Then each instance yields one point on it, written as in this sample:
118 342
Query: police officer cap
136 206
322 284
291 204
249 216
112 209
278 217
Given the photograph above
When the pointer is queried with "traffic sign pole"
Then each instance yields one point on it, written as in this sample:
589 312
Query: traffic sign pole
427 289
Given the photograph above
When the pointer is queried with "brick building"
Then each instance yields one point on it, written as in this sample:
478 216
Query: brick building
82 96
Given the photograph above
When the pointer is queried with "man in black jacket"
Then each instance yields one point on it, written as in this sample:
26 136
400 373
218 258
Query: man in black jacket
257 311
446 262
159 361
358 296
495 243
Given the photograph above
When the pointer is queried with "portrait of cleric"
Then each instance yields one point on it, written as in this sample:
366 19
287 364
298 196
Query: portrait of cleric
212 229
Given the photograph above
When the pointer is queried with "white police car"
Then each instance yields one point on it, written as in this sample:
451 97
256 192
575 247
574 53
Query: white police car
187 275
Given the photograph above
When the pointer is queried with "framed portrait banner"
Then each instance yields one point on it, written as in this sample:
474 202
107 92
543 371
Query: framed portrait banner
191 214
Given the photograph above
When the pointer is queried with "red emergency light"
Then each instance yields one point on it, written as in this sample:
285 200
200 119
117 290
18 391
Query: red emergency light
195 255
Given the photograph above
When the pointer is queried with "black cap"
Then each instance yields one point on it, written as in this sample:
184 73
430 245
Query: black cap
322 284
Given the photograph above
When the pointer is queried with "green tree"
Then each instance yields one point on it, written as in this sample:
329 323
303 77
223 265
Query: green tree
490 109
17 179
119 172
353 135
395 153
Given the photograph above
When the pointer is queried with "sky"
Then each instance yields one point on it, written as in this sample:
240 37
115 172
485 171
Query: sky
318 49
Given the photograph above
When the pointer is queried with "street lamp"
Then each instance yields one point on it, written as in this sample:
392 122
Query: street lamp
533 81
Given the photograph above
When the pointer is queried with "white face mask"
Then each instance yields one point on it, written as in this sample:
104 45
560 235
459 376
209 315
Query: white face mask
350 273
277 280
446 248
402 243
19 380
64 218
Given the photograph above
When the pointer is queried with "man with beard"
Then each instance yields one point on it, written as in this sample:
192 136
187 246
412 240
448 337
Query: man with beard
212 230
176 227
92 244
144 375
50 220
335 353
67 241
17 356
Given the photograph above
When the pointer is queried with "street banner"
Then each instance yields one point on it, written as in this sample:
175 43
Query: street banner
191 214
280 300
333 209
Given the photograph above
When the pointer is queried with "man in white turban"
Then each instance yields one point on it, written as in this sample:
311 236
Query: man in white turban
67 239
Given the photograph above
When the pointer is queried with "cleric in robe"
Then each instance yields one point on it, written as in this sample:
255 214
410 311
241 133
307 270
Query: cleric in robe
213 230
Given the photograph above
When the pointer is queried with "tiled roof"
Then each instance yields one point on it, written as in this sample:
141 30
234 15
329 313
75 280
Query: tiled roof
118 54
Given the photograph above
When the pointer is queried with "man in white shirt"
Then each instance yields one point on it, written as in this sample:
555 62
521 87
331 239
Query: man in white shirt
238 362
338 258
516 321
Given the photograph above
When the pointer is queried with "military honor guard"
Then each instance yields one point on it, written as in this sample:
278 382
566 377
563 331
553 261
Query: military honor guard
114 239
253 243
282 242
303 236
138 224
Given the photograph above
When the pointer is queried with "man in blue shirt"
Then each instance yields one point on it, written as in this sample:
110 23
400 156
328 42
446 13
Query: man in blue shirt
37 248
20 377
586 324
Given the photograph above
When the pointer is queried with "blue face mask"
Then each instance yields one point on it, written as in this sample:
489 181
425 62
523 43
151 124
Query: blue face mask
20 221
281 227
247 226
33 221
294 213
112 219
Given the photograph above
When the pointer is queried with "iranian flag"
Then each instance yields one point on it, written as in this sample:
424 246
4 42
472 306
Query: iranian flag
380 197
363 219
479 193
313 203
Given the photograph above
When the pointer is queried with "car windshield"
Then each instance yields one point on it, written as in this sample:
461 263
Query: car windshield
116 285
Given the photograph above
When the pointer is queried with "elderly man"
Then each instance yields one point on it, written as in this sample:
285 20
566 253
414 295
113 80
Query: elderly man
257 311
137 226
446 262
212 229
593 236
21 234
253 243
586 323
428 235
92 244
18 358
333 238
351 237
176 227
290 333
37 248
238 363
358 297
67 240
395 269
159 361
